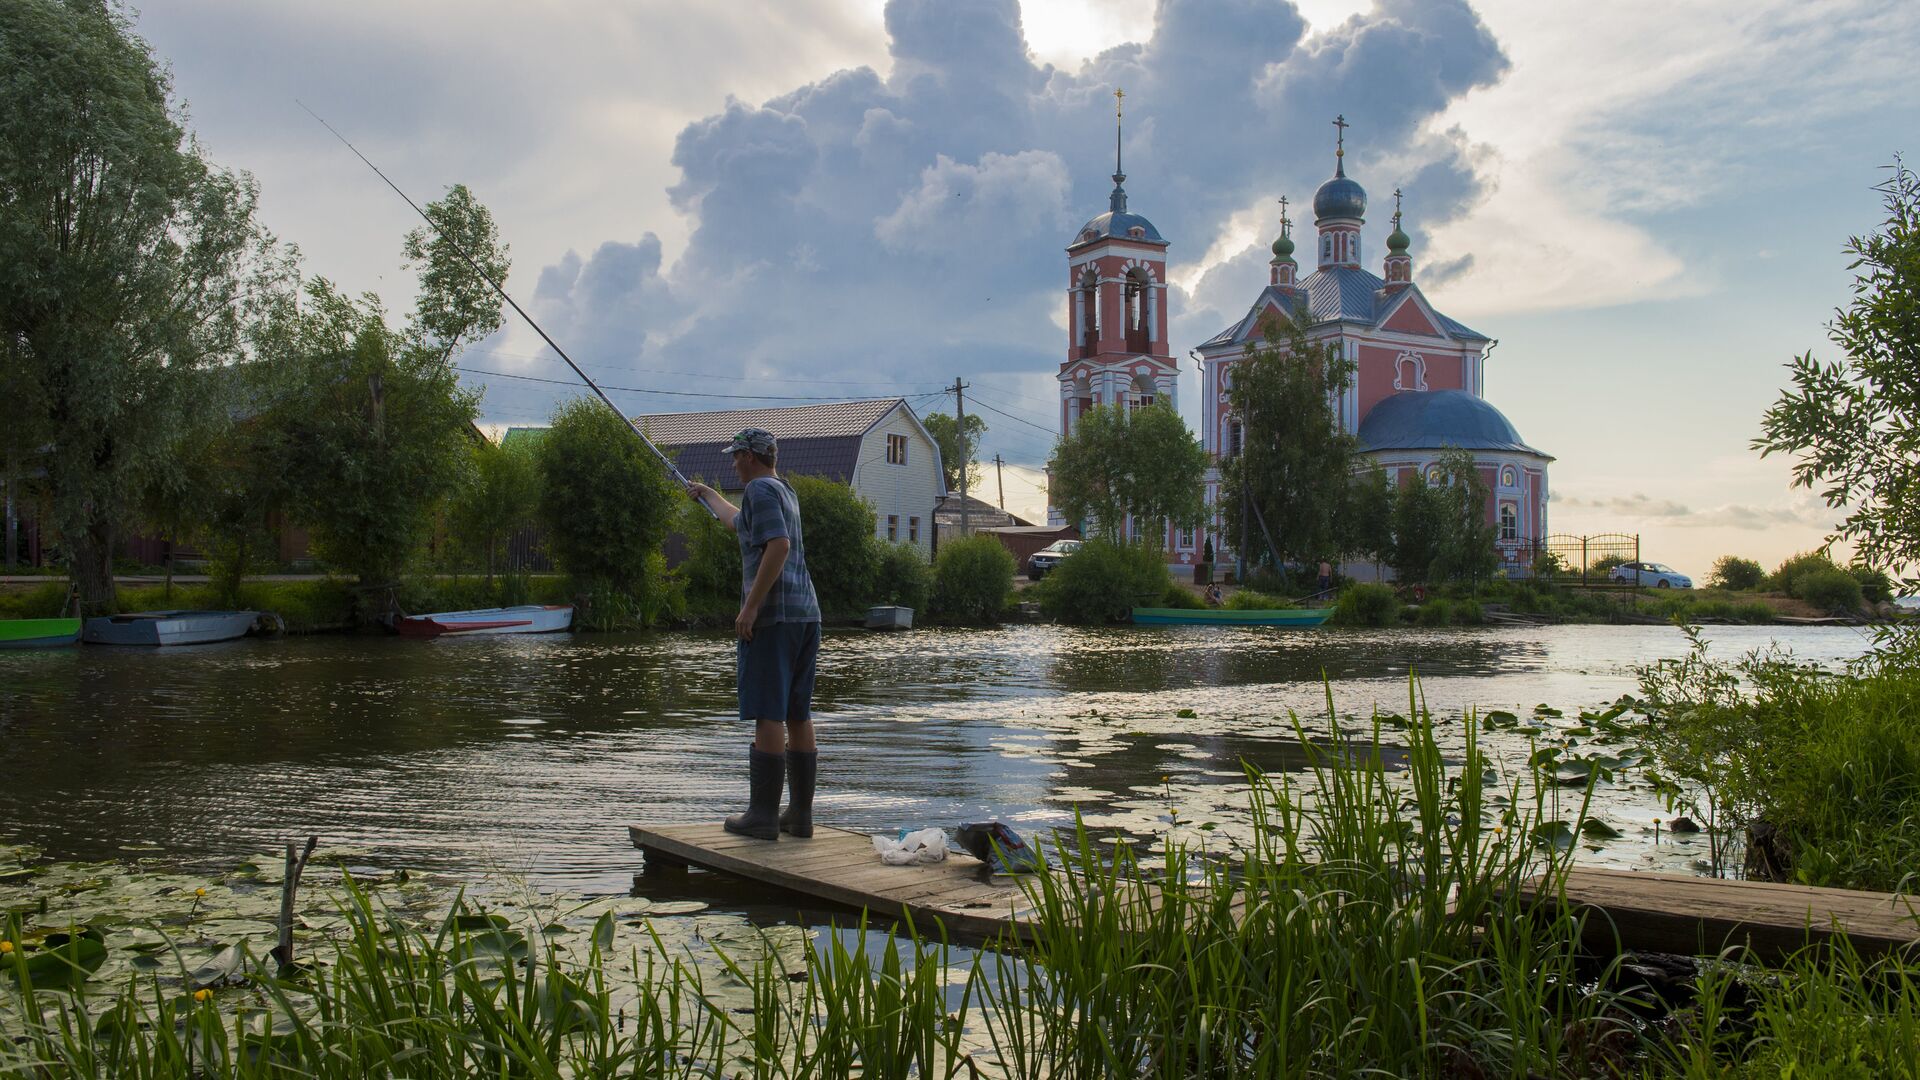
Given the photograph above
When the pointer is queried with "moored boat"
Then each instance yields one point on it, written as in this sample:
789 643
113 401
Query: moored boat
889 618
1230 616
524 619
168 627
38 633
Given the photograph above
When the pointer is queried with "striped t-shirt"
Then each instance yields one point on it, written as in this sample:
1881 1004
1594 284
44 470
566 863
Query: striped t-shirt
768 509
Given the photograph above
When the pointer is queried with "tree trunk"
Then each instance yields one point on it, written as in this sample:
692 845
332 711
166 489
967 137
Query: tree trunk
490 542
168 592
92 569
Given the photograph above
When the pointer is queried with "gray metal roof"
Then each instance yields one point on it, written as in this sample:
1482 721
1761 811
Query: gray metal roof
815 440
1116 223
1433 419
1335 294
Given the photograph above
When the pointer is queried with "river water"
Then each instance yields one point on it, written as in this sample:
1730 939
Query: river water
529 756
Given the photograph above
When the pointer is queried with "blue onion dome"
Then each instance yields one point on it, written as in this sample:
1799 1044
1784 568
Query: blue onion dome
1340 197
1283 247
1117 223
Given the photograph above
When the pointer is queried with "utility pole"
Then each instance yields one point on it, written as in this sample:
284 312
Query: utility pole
1002 479
960 425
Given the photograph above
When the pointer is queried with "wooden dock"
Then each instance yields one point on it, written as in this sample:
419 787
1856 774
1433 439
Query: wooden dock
841 867
1678 913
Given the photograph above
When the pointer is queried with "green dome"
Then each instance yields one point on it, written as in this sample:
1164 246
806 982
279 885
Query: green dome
1398 241
1283 247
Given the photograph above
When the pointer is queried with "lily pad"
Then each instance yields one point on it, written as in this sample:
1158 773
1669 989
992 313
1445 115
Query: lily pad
1595 829
63 960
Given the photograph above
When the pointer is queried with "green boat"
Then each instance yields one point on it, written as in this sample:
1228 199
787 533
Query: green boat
1155 616
38 633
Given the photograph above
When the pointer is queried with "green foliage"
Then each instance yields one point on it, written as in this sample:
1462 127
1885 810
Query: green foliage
1295 464
1876 586
1115 463
973 580
1597 569
957 447
837 526
901 576
1252 600
129 266
1468 612
500 497
1734 572
712 569
1465 551
605 500
42 601
1179 596
1755 611
1788 576
1367 605
1831 590
1103 582
1434 611
1419 525
1367 518
1832 762
455 305
1852 425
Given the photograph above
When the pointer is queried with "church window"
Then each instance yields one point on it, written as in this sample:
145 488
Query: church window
913 530
896 449
1134 309
893 528
1090 295
1233 439
1506 476
1509 522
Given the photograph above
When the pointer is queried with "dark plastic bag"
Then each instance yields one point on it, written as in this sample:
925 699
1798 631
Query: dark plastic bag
999 847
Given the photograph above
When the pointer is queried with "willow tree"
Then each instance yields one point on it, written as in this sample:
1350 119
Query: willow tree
127 262
1284 493
1117 463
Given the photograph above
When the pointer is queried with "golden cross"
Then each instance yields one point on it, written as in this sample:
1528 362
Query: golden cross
1283 213
1396 206
1119 99
1340 146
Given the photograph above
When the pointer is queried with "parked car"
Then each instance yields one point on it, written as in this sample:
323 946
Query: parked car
1657 575
1049 557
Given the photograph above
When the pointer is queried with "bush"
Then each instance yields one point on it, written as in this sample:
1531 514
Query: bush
1103 582
1787 578
973 580
1754 611
837 528
1829 590
44 601
1435 611
1367 605
605 501
1599 567
1875 586
1468 612
1251 600
1179 596
901 576
1734 572
712 569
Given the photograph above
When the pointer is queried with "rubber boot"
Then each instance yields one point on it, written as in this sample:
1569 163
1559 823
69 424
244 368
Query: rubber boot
766 776
802 767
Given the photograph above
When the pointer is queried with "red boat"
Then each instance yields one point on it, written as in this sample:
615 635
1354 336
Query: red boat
524 619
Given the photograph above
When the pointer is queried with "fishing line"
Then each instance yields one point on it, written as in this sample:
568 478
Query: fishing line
672 470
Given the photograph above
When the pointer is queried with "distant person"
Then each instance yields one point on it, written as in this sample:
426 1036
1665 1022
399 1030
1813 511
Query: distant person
1213 595
779 639
1326 575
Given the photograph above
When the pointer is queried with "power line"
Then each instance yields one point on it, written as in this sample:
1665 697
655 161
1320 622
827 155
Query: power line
505 355
670 393
1016 419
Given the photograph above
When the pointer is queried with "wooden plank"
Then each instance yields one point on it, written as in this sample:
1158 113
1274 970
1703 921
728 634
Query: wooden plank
1692 915
841 867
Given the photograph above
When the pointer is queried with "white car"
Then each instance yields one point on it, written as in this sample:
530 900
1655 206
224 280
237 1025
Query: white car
1656 575
1049 557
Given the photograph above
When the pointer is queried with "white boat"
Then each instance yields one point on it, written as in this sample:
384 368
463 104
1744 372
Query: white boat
890 618
524 619
167 627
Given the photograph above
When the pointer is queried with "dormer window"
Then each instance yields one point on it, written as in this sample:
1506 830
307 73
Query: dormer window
1137 233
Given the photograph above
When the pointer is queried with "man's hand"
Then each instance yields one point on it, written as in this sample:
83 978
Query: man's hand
743 622
698 490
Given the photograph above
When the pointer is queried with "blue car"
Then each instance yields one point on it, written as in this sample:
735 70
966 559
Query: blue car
1650 575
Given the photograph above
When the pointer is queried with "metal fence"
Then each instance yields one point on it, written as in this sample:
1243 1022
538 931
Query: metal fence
1568 557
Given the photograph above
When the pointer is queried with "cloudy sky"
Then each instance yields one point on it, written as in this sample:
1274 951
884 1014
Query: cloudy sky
766 203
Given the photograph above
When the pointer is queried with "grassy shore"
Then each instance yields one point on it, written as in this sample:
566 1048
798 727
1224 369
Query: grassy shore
1365 925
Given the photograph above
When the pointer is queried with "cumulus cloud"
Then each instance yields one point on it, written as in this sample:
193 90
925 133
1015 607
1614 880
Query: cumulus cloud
910 224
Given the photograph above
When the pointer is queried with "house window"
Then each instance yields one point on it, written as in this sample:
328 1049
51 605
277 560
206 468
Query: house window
913 530
896 449
1509 522
1186 539
893 528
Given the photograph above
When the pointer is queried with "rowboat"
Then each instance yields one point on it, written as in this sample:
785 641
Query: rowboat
1143 616
889 618
524 619
38 633
168 627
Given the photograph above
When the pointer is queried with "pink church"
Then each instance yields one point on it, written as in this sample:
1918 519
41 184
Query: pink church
1419 376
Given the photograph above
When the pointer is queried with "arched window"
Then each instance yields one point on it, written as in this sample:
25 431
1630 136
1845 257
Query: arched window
1090 299
1506 476
1134 307
1142 393
1509 522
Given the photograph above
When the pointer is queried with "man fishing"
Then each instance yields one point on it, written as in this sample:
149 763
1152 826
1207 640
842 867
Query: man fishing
779 631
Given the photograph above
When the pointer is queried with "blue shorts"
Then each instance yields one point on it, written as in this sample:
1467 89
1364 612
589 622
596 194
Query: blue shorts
774 672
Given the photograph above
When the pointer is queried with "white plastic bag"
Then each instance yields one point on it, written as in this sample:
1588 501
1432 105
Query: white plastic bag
924 846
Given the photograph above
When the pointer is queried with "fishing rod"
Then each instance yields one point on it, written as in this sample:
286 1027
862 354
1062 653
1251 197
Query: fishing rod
672 470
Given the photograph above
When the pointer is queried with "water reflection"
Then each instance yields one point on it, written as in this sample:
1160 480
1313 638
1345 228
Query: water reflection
530 755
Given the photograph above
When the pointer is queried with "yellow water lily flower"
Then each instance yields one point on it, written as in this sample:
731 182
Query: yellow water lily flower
199 892
202 995
5 947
